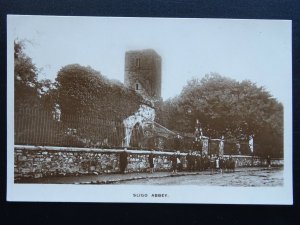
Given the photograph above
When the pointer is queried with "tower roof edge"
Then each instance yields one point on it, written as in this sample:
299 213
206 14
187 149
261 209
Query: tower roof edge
141 51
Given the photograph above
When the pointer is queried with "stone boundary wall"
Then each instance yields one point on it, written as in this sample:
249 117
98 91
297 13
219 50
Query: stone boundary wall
38 161
249 161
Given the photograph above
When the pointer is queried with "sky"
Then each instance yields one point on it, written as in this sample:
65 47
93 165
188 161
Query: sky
257 50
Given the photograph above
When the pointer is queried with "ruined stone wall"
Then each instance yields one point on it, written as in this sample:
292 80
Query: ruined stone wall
143 71
37 162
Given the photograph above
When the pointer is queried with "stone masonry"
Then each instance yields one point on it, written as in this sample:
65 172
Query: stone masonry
36 162
143 73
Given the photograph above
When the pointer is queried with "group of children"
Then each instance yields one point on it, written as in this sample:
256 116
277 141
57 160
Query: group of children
194 162
215 163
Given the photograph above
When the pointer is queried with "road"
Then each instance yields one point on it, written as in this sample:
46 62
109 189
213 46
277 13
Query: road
247 177
244 178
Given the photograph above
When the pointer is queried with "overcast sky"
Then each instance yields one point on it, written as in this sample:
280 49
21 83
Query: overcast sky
258 50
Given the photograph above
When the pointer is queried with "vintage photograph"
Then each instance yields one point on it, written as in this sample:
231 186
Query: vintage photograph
150 108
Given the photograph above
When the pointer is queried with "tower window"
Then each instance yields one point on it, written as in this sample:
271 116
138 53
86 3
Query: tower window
137 62
136 86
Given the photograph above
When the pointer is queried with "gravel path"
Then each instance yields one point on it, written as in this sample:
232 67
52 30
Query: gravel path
242 177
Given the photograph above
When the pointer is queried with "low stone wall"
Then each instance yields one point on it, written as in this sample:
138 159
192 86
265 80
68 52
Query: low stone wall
249 161
37 162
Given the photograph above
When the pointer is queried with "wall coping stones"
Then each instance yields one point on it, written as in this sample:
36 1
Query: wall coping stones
91 150
98 150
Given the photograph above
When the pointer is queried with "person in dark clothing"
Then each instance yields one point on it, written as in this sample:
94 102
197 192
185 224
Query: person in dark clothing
198 163
189 159
222 164
230 164
205 163
151 163
123 161
174 163
194 162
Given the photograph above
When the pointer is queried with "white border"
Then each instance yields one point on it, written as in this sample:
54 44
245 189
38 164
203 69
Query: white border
124 193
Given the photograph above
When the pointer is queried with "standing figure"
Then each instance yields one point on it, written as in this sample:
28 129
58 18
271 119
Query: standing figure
212 164
123 161
222 164
189 159
205 162
198 163
151 163
174 163
231 164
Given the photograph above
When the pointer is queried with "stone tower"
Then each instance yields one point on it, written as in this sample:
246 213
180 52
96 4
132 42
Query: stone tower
143 73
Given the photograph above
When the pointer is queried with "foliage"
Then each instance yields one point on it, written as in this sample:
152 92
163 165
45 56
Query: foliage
83 91
25 79
31 116
226 107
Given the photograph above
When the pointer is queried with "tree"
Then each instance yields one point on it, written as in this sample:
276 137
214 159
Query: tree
82 91
226 107
92 105
34 123
25 78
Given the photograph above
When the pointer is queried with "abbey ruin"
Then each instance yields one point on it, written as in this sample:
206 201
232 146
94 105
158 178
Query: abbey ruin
143 73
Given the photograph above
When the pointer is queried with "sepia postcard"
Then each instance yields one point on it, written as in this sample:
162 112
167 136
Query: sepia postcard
149 110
